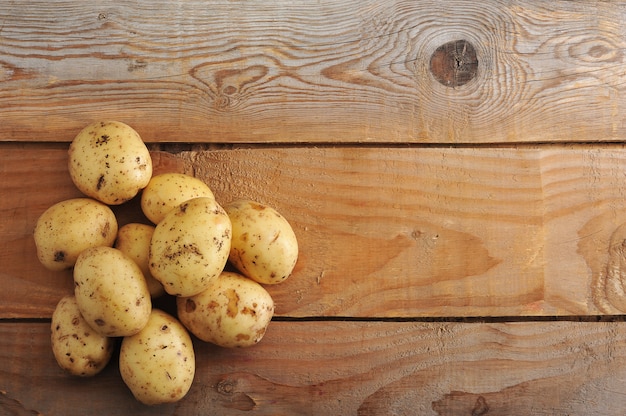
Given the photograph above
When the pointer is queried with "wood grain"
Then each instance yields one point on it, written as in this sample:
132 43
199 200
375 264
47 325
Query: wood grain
349 71
352 368
383 232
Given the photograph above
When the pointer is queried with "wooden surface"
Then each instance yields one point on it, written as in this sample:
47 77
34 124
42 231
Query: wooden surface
355 368
329 71
460 218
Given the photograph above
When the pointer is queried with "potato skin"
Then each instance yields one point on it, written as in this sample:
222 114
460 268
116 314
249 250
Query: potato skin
111 292
77 348
166 191
264 246
109 161
233 311
190 246
158 363
133 239
68 227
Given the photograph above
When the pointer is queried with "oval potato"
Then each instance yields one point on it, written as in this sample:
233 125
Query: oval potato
166 191
233 311
158 363
69 227
133 239
109 161
190 246
111 292
264 246
77 348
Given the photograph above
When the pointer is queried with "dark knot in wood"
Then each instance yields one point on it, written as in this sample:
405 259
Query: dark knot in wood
454 63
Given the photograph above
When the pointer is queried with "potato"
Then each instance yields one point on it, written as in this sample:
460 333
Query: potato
190 246
264 246
68 227
158 363
111 292
233 311
168 190
133 239
109 161
77 348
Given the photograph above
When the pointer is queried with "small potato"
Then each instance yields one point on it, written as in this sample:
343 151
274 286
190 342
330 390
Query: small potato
264 246
133 239
68 227
158 363
168 190
190 246
77 348
233 311
111 292
109 161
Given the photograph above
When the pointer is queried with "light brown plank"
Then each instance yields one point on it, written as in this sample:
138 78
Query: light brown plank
384 232
31 180
366 368
349 71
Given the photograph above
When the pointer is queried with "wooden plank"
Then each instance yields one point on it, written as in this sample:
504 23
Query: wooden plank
284 71
352 368
384 232
33 178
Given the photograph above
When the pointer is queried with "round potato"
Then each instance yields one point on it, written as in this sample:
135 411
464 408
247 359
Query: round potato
111 292
158 363
233 311
190 246
68 227
264 246
168 190
77 348
133 239
109 161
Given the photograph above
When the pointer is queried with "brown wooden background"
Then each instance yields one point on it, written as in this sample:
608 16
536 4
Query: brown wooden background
462 247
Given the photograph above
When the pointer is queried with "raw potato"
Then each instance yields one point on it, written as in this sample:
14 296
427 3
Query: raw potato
68 227
158 364
111 292
134 240
168 190
190 246
264 246
77 348
109 161
233 311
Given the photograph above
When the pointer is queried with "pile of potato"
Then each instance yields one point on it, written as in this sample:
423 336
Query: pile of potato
118 271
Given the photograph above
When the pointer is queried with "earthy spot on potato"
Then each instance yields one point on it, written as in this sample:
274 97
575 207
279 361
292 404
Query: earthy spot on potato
242 337
233 299
59 256
100 322
106 229
75 321
100 183
248 311
190 305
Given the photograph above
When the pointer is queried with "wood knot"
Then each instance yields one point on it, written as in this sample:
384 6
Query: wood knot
454 63
227 387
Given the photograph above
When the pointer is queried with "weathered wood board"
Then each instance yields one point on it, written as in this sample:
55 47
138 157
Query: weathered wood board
353 368
329 71
385 232
453 171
